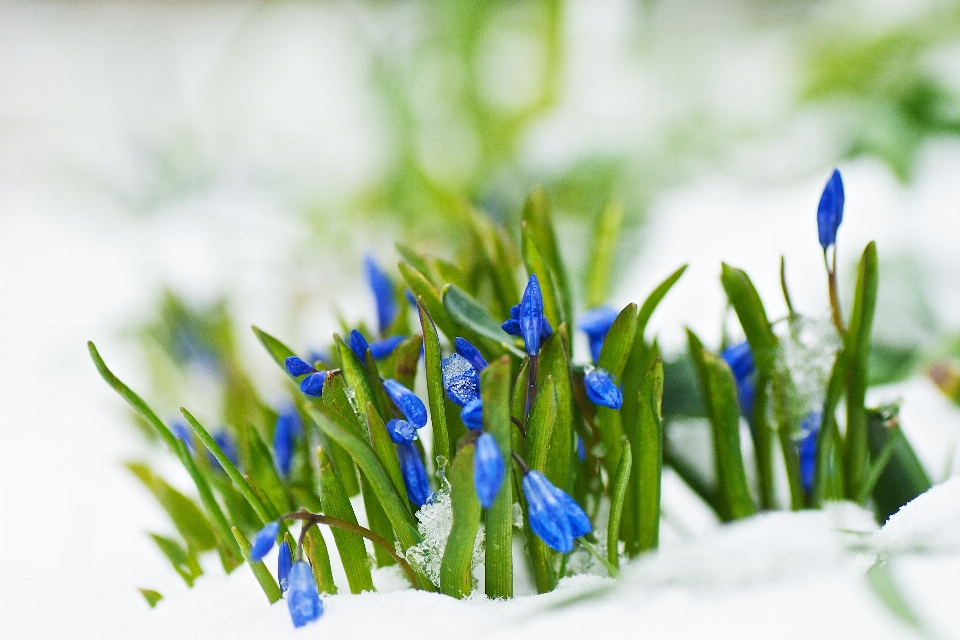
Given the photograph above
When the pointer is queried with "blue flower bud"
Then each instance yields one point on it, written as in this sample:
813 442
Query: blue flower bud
303 600
297 367
531 315
488 469
401 431
830 210
554 516
471 353
358 344
601 389
284 562
264 540
740 359
312 385
229 448
414 474
285 432
581 450
807 448
409 404
383 348
383 293
511 326
472 414
461 380
182 432
596 323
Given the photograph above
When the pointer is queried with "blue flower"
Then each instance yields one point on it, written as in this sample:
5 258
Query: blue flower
409 404
358 344
471 353
264 540
596 323
303 600
401 431
830 210
383 348
414 474
581 450
285 432
472 414
312 385
740 359
383 293
488 469
297 367
554 516
807 448
461 380
284 562
601 389
229 448
527 320
182 432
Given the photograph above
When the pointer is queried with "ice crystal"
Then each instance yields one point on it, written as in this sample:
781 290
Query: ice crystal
808 348
435 520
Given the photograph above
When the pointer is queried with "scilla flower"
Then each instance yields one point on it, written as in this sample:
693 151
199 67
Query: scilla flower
554 516
527 320
469 352
740 360
488 469
409 404
596 323
284 562
414 474
401 431
601 389
264 541
472 414
383 293
285 433
303 600
830 211
312 384
461 380
807 448
379 349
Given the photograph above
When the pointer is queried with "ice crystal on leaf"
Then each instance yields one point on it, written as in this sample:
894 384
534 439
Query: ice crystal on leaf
435 520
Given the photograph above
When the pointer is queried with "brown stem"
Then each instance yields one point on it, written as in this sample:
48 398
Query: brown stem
834 294
523 432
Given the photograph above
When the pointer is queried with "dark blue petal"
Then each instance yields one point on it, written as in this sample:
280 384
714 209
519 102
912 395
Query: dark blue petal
285 432
512 327
409 404
830 210
358 344
312 385
284 562
414 474
383 348
601 389
580 524
596 323
531 315
297 367
383 293
471 353
472 414
515 312
740 359
401 431
264 540
460 380
546 513
581 450
807 448
303 600
229 448
488 469
545 330
182 432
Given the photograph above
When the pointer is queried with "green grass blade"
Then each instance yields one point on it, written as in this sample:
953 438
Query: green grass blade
183 561
354 376
648 452
152 597
435 395
455 578
553 307
187 517
277 350
315 549
269 585
353 553
753 317
540 424
385 449
555 362
618 494
378 521
498 558
538 220
465 310
828 481
613 357
402 363
606 237
264 472
857 347
656 296
429 296
902 478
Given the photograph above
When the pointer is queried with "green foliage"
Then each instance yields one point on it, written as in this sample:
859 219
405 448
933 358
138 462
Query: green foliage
455 578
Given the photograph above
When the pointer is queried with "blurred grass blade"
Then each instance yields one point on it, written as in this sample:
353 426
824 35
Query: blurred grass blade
353 553
857 348
828 482
882 583
538 221
429 297
903 477
455 578
613 357
418 261
606 237
377 521
465 310
653 300
384 448
183 561
553 308
753 317
618 493
277 350
540 424
187 517
270 587
402 364
152 597
315 549
555 362
263 470
648 452
498 551
435 395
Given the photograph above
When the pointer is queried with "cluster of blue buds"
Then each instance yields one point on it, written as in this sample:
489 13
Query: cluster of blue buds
407 401
403 433
554 516
740 360
312 384
830 210
295 578
287 430
527 319
596 324
383 294
379 349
